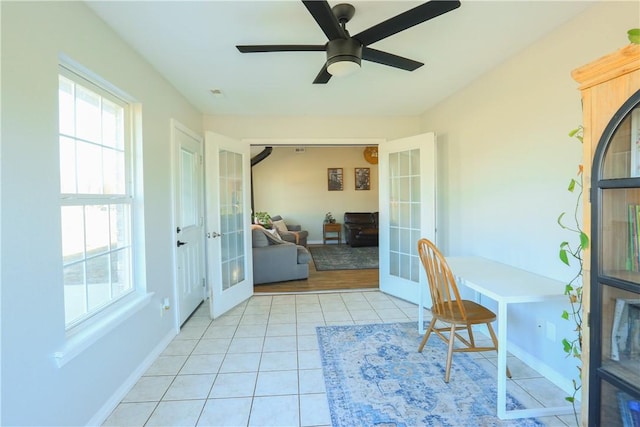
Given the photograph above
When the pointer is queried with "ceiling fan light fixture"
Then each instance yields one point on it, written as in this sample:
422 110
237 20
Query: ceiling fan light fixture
343 65
343 57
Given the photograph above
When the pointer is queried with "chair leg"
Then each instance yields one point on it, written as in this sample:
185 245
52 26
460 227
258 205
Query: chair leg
495 344
471 339
426 335
452 337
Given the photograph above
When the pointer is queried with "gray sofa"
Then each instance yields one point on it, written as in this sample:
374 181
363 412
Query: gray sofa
293 233
275 260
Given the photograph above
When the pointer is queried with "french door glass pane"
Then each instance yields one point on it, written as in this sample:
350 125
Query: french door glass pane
231 214
404 213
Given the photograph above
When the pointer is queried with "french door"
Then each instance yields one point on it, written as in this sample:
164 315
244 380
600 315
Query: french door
229 259
407 171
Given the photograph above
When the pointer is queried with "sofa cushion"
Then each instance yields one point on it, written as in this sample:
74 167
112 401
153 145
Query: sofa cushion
262 237
303 255
258 238
280 225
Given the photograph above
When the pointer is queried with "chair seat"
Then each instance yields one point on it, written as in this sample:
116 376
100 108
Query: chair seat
475 313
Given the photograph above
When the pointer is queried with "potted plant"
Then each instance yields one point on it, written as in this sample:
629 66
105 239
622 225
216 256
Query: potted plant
329 219
262 218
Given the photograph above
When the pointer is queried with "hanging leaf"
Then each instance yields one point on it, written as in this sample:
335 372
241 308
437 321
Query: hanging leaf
563 256
634 35
565 315
584 240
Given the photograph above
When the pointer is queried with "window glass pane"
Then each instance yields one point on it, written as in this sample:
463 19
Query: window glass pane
97 229
120 272
112 127
98 281
67 165
72 233
113 175
66 119
119 227
88 114
89 164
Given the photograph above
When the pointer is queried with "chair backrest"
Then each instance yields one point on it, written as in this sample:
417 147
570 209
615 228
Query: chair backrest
442 285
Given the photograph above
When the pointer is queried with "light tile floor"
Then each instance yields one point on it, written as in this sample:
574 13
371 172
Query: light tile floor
259 365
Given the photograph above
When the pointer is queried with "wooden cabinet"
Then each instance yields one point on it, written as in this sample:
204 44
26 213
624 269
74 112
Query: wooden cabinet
610 89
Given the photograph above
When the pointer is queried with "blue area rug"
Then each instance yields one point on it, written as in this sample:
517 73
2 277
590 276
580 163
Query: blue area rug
375 376
344 257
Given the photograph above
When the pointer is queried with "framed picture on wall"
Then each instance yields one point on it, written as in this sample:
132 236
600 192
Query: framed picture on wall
334 177
363 179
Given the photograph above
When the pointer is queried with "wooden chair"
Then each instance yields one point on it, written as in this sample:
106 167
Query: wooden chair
449 308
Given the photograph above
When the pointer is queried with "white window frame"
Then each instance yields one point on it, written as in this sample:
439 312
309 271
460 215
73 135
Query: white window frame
123 199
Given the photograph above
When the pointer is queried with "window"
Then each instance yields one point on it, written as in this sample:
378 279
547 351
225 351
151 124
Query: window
96 197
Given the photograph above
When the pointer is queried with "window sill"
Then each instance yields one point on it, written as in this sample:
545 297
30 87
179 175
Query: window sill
89 334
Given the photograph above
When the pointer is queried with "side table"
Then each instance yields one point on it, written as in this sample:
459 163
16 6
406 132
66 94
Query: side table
332 228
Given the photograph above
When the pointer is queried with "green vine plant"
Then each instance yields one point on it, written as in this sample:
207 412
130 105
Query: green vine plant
572 252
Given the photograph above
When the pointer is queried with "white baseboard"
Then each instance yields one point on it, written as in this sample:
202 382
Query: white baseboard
100 417
566 384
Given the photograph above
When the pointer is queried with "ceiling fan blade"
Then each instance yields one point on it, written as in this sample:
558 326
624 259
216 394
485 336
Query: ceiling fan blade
321 12
281 48
323 76
405 20
390 59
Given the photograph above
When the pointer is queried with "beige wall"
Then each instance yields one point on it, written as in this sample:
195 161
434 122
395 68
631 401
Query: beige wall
313 127
505 161
111 356
294 185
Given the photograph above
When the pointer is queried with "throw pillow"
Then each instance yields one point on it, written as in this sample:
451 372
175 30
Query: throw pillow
280 226
274 232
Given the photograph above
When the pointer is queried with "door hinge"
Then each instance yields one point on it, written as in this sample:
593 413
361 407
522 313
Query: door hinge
588 319
203 283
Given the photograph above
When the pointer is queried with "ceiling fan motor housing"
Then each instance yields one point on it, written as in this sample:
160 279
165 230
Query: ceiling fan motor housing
343 50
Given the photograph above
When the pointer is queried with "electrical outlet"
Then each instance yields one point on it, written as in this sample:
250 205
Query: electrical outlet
551 331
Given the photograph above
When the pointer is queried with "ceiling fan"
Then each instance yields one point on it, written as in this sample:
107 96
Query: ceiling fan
345 52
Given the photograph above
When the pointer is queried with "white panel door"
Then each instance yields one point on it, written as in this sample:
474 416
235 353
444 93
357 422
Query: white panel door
229 256
189 220
407 173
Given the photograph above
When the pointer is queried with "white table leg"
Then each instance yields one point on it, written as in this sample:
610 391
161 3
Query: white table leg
502 360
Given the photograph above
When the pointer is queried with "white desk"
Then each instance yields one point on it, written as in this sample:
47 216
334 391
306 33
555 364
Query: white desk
507 285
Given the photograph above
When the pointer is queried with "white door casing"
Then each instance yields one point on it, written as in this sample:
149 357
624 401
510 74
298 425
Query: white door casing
407 171
229 255
188 220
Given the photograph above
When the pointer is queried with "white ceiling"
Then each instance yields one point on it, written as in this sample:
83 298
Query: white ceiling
192 44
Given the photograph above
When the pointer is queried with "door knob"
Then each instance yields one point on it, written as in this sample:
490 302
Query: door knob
178 229
181 243
213 235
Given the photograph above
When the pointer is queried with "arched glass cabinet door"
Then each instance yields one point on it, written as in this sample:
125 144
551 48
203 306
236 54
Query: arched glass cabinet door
614 373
